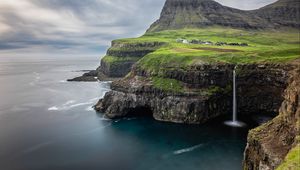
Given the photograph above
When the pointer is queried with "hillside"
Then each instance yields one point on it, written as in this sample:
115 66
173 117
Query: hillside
178 14
281 13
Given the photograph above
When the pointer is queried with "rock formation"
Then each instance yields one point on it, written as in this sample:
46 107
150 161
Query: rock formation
281 13
120 57
197 99
206 92
178 14
269 144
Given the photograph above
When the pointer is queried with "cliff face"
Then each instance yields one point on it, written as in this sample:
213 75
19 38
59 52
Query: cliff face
202 92
182 102
119 59
281 13
201 13
269 144
121 56
260 87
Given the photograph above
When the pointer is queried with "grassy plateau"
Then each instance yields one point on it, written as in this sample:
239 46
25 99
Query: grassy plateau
166 52
263 46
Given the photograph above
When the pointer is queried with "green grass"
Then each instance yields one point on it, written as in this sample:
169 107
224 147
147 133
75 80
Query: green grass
264 47
292 160
170 85
113 59
216 89
173 85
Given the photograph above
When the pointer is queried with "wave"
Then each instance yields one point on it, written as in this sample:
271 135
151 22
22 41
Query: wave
94 130
190 149
68 105
90 108
94 99
80 104
132 118
72 104
104 118
61 139
37 147
69 102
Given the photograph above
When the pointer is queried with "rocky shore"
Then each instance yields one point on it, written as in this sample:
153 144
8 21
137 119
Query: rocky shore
269 144
205 92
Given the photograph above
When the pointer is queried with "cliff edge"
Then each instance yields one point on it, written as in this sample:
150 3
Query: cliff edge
269 144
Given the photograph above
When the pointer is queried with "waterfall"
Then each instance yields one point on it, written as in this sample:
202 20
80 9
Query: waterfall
234 119
234 122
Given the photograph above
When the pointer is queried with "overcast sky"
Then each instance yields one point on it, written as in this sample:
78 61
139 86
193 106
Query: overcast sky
80 26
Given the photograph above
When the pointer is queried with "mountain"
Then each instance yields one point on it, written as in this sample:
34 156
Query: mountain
281 13
178 14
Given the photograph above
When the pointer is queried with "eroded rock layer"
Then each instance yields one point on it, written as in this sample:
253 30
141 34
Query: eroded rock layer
199 93
178 14
269 144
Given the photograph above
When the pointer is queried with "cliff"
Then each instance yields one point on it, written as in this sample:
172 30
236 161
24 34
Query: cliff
168 99
119 59
269 144
198 93
178 14
281 13
123 54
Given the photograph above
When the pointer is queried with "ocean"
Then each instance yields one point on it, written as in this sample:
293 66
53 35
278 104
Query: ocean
47 123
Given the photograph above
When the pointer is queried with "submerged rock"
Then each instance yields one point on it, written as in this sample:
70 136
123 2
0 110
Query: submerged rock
89 76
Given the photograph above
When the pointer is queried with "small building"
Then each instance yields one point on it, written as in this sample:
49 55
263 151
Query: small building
185 42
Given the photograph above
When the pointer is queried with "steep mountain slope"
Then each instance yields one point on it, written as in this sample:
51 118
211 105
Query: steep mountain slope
281 13
178 14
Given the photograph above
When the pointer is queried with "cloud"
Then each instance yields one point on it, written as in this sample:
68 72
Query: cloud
66 25
246 4
80 26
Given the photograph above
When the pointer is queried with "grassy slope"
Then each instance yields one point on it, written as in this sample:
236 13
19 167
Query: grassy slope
114 60
264 46
292 160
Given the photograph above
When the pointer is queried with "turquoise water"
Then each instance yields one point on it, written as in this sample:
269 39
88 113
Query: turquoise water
48 124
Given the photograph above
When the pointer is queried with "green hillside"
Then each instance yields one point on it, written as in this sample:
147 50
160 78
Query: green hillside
261 46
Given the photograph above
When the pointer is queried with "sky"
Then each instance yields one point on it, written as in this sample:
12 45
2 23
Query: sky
80 26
